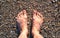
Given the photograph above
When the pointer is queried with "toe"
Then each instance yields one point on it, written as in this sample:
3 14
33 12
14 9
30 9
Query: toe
34 12
24 12
16 18
40 15
20 13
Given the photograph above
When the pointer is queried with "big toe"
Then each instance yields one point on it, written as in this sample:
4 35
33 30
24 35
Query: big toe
24 12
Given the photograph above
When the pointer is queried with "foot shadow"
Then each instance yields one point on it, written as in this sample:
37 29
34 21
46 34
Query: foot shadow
31 35
18 29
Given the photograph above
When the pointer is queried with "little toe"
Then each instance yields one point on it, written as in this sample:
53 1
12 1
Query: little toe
17 16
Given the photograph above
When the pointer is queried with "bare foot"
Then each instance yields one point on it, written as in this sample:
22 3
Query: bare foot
37 22
22 20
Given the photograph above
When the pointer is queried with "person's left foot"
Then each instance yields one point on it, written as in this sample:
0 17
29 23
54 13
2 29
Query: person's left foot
22 20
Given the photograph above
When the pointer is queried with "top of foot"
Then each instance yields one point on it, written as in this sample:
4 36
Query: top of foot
22 19
22 16
37 20
37 17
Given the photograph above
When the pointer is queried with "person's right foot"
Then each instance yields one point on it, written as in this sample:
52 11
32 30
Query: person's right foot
37 19
37 22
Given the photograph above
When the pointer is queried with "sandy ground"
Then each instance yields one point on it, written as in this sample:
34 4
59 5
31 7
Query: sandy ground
49 8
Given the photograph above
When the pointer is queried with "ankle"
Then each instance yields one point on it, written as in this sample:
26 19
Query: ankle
34 32
25 31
